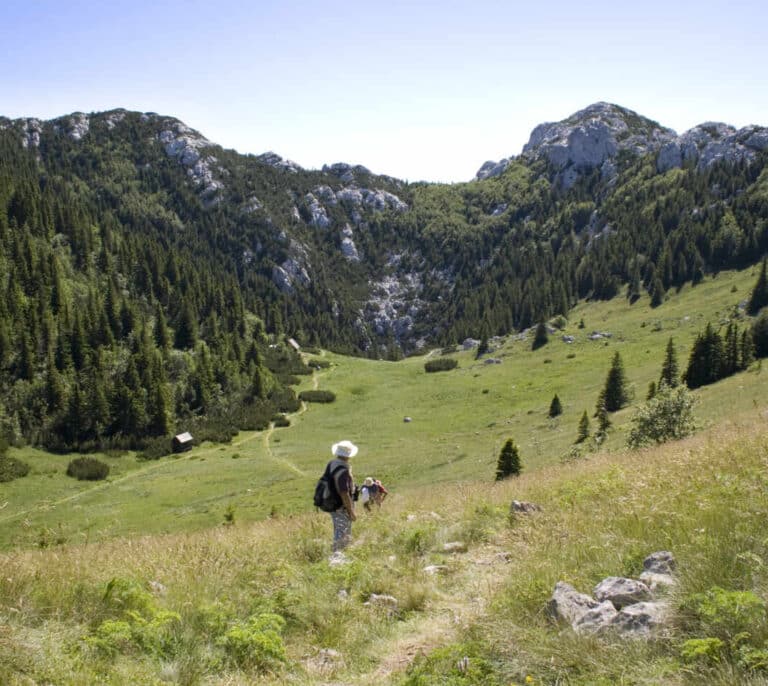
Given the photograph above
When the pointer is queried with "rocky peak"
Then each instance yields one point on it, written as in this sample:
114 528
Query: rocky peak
593 137
346 172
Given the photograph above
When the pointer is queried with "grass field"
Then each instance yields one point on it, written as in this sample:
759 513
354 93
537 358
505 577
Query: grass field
460 419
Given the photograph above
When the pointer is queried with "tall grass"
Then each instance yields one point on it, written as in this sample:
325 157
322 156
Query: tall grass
175 597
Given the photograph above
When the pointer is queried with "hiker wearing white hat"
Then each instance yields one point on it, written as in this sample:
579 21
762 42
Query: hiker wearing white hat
341 478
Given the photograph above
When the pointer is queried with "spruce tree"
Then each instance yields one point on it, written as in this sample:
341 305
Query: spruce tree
583 432
555 407
705 363
759 297
509 461
669 369
540 338
615 394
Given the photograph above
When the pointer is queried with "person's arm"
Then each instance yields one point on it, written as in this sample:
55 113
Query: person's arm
349 505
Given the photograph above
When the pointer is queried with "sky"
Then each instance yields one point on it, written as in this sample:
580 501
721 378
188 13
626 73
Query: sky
419 90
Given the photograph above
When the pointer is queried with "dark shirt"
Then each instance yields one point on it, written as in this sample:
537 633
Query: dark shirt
342 478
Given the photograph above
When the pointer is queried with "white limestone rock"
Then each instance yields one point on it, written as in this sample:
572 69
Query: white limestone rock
569 605
641 619
317 213
596 619
274 160
490 168
622 591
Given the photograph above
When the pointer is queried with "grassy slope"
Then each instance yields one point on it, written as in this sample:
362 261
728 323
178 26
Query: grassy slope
460 420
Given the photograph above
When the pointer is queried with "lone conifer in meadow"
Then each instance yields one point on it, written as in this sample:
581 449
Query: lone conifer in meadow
541 337
759 297
555 407
509 461
583 428
669 370
614 395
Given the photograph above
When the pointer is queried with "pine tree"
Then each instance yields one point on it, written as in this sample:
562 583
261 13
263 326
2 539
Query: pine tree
651 391
541 337
555 407
759 297
705 363
669 369
583 432
509 461
615 394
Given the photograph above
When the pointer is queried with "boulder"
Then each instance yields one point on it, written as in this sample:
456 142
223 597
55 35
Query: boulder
436 569
622 591
455 547
596 619
641 619
523 506
658 582
567 604
661 562
382 600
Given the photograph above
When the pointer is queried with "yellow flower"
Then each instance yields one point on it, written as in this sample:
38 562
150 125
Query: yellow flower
529 679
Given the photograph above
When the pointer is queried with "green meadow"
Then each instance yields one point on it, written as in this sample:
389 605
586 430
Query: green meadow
458 423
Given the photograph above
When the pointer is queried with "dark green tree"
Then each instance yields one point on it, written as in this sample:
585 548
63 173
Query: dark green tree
508 463
705 363
540 337
615 393
759 298
583 431
760 334
555 407
670 373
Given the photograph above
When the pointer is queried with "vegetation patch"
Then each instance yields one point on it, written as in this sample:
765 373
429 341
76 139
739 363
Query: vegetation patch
317 396
87 469
441 365
11 468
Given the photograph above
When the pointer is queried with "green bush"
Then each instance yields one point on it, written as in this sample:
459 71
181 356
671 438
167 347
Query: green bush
317 396
280 420
665 417
87 469
11 468
256 643
442 365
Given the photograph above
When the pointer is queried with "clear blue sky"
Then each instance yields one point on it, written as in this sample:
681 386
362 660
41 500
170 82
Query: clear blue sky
419 90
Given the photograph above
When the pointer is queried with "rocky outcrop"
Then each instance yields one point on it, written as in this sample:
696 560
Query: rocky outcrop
348 247
188 147
274 160
346 172
293 271
317 214
394 305
491 168
594 137
626 606
712 142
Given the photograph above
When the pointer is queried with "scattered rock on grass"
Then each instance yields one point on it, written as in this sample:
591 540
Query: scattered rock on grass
455 547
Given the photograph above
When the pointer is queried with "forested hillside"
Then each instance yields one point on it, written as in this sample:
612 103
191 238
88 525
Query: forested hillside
149 273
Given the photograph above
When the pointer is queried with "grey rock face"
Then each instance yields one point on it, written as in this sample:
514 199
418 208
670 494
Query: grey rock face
490 168
394 304
593 137
318 214
31 130
186 146
274 160
293 271
348 247
568 605
658 582
621 591
345 172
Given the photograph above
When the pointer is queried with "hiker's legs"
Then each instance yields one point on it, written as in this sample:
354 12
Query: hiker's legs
342 529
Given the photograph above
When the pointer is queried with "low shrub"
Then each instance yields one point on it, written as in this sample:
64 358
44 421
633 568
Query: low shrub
319 364
11 468
256 643
156 447
317 396
280 420
442 365
87 469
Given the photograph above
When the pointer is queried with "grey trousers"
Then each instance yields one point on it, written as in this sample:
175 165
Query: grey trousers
342 529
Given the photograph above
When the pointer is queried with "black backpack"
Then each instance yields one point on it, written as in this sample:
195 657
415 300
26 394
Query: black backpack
326 497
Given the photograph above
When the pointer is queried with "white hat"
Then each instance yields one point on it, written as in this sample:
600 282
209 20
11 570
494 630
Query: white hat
344 449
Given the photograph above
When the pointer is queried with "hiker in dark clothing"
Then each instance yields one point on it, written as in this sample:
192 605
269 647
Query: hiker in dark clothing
345 486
